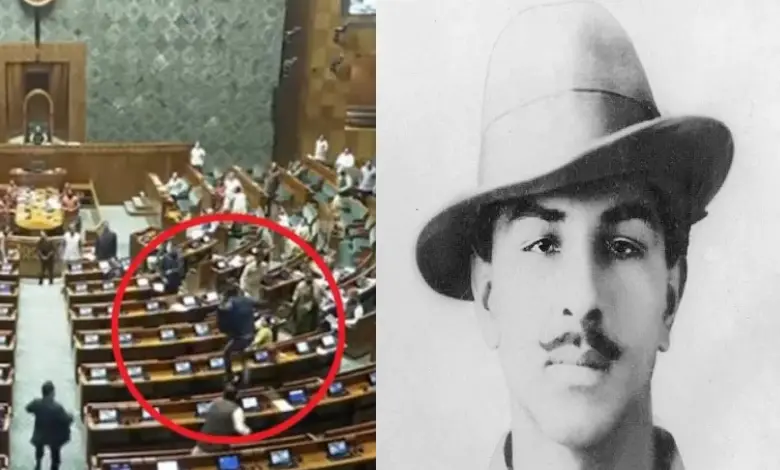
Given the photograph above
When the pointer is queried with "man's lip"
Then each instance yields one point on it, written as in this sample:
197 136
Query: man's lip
591 359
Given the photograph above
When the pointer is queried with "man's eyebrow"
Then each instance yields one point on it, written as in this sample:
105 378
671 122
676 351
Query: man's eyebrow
631 211
534 210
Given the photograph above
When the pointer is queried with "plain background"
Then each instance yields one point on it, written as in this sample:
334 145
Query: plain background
442 403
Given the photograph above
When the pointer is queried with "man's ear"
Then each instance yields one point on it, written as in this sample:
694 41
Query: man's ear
678 275
481 284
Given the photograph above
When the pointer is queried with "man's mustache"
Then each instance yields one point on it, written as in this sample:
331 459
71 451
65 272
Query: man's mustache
594 337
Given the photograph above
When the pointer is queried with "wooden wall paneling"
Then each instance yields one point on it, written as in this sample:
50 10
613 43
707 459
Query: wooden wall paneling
290 91
328 96
324 108
362 81
362 142
74 54
118 171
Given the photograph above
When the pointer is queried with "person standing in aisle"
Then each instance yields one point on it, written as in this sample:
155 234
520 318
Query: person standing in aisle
45 250
52 426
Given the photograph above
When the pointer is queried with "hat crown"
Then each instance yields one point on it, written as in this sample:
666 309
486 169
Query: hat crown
548 50
562 78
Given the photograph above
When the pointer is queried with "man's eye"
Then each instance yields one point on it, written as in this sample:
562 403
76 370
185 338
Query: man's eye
546 246
624 249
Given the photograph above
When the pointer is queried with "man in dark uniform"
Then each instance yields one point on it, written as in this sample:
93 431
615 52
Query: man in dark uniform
236 319
52 426
172 269
573 251
46 252
224 418
106 244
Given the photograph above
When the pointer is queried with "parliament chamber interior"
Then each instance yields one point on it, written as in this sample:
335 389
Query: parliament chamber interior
123 119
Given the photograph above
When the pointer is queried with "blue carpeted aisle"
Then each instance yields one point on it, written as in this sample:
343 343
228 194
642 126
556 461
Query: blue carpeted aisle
43 353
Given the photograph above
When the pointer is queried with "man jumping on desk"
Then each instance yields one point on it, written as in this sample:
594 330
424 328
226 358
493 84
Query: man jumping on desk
235 319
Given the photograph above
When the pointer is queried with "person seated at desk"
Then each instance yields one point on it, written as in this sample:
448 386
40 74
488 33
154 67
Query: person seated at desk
224 417
251 280
177 187
172 269
106 244
346 183
37 136
305 306
345 160
236 320
264 335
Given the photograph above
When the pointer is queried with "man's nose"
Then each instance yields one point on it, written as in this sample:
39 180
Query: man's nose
580 286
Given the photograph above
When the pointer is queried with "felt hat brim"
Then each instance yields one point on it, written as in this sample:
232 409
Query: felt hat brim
687 158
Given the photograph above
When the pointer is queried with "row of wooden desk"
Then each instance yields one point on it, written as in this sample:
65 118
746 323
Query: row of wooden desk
179 331
171 348
9 308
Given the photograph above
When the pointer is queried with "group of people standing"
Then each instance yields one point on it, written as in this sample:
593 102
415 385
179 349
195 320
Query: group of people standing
71 249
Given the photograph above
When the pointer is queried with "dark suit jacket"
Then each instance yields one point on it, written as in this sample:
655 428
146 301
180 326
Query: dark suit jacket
105 246
52 422
173 271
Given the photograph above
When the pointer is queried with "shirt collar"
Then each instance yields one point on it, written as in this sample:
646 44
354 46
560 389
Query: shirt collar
667 457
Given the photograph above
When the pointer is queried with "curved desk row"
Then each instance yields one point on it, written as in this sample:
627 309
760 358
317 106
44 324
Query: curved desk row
6 412
141 287
283 361
90 269
126 426
162 342
154 312
357 452
8 316
184 450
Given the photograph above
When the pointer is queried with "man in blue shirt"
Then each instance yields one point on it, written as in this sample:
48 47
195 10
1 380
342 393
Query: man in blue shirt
236 319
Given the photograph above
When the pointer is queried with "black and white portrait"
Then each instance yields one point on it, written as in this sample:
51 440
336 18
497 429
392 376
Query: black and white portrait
584 273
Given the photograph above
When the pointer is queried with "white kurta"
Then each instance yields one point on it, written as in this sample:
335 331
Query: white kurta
240 205
197 156
321 150
72 251
344 161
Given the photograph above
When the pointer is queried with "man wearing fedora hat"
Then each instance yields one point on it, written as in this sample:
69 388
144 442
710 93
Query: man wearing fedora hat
573 250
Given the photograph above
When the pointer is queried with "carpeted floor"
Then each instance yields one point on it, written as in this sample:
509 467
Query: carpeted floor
43 352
